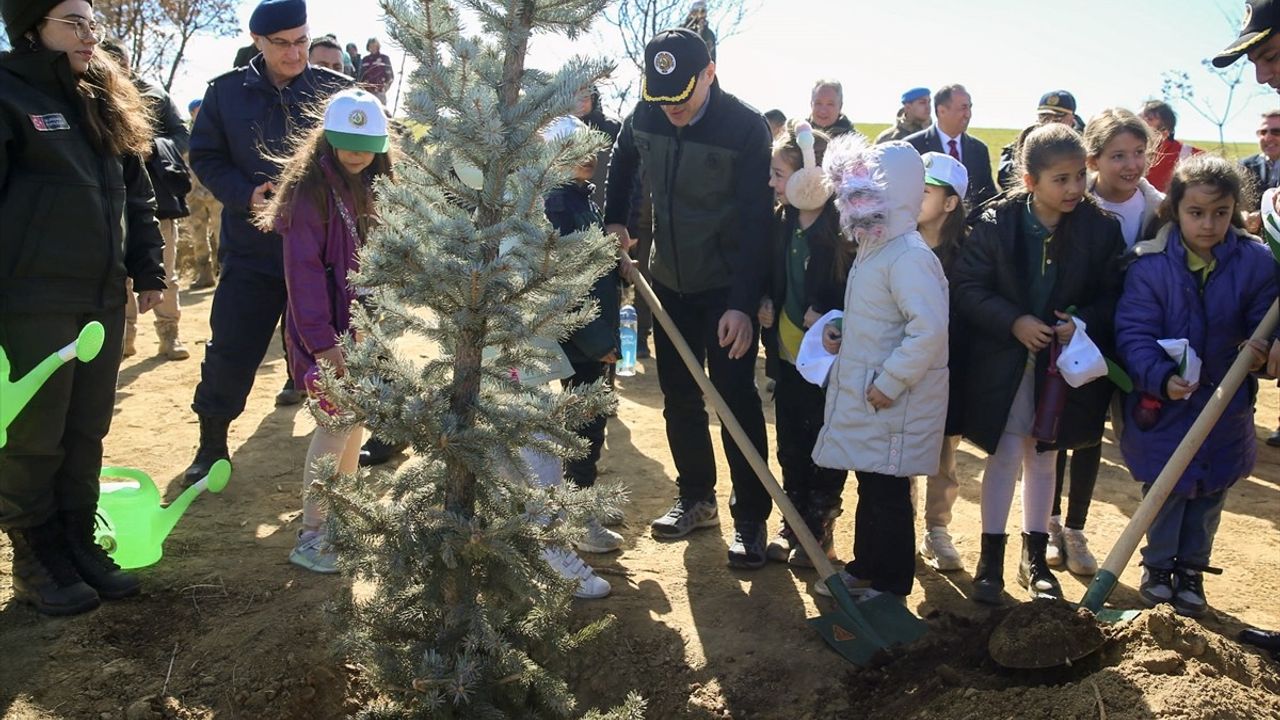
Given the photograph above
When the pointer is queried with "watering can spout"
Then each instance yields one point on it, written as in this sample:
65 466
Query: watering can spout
15 395
214 482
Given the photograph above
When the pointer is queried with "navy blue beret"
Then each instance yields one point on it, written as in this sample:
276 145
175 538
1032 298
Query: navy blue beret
272 16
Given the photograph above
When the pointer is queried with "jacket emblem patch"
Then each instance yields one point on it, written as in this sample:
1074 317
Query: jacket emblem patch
50 122
713 161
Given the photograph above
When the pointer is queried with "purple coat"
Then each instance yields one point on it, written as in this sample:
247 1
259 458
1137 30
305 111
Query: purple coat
318 256
1163 300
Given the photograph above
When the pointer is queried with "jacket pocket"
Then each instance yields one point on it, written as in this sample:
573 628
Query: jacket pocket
33 229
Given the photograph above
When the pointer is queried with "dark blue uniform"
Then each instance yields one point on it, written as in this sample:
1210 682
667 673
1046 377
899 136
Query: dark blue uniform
245 120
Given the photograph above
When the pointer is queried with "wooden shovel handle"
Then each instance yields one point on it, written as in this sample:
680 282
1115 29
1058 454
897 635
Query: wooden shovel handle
1142 518
798 526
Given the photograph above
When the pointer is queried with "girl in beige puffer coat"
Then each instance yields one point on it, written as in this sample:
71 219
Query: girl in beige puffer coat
887 399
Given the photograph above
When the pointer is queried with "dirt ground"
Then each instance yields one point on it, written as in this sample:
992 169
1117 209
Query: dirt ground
226 628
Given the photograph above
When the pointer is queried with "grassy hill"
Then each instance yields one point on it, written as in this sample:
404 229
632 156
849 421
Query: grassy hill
996 138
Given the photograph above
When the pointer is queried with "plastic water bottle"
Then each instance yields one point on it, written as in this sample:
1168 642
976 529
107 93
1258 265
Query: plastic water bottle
627 341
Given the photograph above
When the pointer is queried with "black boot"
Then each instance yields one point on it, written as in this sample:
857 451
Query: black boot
1033 572
213 447
988 579
377 451
43 574
95 567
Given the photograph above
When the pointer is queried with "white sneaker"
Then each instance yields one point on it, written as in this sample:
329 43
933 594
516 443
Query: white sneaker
315 554
939 552
569 566
598 539
1054 553
1079 560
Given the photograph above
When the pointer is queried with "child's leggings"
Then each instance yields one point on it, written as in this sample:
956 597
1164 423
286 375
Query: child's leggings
345 445
1085 463
1016 454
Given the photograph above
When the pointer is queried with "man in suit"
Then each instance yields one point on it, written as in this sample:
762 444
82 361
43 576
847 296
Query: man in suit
948 135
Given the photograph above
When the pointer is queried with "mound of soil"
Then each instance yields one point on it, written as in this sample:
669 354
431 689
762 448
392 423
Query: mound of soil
1043 634
1159 665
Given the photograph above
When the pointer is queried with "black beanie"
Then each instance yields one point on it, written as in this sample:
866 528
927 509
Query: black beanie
23 15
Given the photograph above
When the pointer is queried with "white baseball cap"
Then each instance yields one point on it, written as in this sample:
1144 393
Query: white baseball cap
945 171
355 121
562 127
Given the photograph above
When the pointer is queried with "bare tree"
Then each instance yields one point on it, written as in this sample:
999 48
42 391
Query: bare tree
156 33
639 20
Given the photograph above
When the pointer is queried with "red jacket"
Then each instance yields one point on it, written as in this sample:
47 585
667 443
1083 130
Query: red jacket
1167 156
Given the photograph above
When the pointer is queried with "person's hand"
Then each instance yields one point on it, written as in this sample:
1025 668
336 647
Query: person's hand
1260 351
1273 361
1178 389
260 196
148 299
1253 222
811 316
878 400
736 333
333 356
831 337
611 358
1066 329
618 230
765 313
1032 333
628 268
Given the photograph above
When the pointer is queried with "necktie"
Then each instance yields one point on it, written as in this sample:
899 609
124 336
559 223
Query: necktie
954 151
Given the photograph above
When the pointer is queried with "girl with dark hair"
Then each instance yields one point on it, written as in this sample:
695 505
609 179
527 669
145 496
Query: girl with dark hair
1031 259
324 210
810 265
1203 280
78 217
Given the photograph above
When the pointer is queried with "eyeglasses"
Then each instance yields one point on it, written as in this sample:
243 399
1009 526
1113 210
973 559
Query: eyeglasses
1273 132
300 43
85 29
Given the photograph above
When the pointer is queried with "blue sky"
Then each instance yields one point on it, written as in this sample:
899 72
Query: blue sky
1007 52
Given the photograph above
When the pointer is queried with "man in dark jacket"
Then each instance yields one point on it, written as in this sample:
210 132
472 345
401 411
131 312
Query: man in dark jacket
912 117
826 105
1263 166
949 135
707 158
247 117
171 181
1056 106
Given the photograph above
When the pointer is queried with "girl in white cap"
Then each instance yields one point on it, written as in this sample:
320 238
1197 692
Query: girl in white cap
324 211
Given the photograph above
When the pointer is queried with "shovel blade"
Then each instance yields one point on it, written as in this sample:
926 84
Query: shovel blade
892 620
842 635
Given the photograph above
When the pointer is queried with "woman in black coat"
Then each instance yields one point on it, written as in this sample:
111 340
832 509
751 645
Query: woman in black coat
79 217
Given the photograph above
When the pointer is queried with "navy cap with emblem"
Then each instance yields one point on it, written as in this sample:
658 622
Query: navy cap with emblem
1060 102
272 16
1260 19
672 61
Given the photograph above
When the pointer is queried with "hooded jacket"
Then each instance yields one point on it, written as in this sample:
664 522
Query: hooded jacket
990 291
244 121
711 198
1163 299
895 338
74 222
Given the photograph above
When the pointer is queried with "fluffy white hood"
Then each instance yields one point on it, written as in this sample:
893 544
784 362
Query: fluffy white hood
878 188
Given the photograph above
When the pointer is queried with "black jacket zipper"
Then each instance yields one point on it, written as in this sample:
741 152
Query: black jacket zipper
672 174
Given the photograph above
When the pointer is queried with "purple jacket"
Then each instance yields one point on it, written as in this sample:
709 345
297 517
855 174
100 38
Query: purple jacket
318 256
1163 300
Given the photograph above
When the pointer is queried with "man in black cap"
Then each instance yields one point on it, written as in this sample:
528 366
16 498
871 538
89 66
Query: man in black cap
247 117
707 158
1056 106
1259 40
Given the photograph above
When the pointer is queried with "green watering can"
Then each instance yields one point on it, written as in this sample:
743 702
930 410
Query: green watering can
16 394
132 526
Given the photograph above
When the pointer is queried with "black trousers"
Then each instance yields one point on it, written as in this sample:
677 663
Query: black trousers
697 316
1084 476
582 472
53 456
247 305
799 408
884 536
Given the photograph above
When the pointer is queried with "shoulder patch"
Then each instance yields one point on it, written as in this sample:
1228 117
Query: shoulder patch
236 72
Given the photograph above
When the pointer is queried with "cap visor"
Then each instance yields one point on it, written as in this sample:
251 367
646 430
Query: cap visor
1239 47
1059 110
934 181
677 95
358 143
